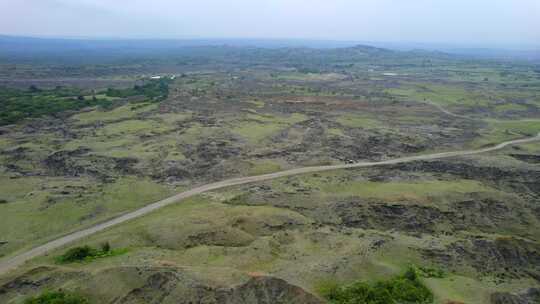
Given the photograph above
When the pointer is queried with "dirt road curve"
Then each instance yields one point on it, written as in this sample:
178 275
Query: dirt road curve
10 264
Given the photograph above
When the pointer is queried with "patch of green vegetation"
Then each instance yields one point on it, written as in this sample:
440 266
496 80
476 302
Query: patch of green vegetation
5 143
309 74
57 297
525 127
127 127
196 132
88 254
441 94
507 107
14 189
263 167
122 112
503 130
39 211
459 289
291 119
406 288
255 132
17 104
431 272
403 190
175 156
132 127
101 144
20 104
172 118
154 90
257 127
336 132
359 121
257 103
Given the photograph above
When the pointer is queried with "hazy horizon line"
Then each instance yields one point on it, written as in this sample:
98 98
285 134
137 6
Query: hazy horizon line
396 43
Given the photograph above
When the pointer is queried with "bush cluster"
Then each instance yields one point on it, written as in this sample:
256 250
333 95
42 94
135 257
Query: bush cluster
86 253
155 90
406 288
17 105
431 272
57 297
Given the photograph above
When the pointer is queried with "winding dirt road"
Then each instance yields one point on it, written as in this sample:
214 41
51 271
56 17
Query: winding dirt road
12 263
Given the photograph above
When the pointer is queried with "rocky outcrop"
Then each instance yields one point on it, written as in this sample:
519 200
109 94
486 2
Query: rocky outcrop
173 287
532 296
528 158
266 290
469 171
155 285
81 162
503 258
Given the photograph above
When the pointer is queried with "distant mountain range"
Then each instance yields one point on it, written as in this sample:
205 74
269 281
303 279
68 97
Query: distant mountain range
30 47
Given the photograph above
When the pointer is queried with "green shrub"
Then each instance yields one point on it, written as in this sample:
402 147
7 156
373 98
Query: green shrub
56 297
87 253
431 272
155 90
77 254
406 288
105 247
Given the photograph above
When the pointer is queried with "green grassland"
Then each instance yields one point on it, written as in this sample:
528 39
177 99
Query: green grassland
357 121
256 127
123 112
502 130
42 210
417 191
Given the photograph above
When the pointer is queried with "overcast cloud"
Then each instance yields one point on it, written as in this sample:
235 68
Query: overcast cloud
480 22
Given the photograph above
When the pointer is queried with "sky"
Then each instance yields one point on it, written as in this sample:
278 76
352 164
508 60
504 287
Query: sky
463 22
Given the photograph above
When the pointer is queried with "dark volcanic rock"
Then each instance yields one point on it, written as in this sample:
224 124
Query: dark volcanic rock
79 163
64 163
266 290
34 279
172 286
173 173
469 171
507 298
503 257
532 296
375 215
528 158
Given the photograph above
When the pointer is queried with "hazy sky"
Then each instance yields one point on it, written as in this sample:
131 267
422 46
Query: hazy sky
487 22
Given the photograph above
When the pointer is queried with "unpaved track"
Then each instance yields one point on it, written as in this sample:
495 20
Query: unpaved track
10 264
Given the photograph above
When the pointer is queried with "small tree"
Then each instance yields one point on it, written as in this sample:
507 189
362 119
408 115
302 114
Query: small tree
33 89
105 247
77 254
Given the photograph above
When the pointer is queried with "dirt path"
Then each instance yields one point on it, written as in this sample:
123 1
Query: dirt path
11 263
